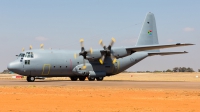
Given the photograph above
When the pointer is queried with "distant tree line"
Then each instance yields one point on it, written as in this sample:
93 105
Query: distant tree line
175 69
5 72
182 69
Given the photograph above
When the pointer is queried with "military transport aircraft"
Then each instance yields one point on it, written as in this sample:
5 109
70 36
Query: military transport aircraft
93 64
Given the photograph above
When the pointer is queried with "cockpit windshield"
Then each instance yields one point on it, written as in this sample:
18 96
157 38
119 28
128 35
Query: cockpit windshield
21 55
29 54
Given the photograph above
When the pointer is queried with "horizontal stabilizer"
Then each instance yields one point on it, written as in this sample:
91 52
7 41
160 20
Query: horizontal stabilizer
166 53
153 47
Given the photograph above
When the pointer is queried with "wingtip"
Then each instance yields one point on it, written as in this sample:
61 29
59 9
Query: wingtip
189 44
184 44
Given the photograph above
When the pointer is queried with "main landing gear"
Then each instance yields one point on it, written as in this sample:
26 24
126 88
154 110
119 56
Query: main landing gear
99 78
82 78
30 78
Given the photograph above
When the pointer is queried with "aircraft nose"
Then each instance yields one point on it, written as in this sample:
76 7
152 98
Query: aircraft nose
9 66
14 66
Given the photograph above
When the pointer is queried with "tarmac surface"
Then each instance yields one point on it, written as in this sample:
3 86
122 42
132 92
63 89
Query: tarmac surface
106 83
122 93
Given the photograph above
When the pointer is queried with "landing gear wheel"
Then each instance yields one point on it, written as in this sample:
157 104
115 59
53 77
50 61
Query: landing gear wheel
82 78
30 78
99 78
91 78
73 78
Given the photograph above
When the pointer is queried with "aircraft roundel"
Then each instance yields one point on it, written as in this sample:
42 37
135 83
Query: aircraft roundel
150 32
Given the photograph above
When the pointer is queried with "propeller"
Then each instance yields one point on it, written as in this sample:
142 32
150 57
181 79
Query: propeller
107 51
83 53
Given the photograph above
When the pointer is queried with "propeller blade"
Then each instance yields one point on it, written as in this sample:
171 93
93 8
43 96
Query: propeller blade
101 60
30 47
81 41
84 66
76 55
101 43
112 41
114 59
23 49
41 46
90 51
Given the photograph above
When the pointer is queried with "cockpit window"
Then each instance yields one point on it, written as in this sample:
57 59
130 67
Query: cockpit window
29 54
21 55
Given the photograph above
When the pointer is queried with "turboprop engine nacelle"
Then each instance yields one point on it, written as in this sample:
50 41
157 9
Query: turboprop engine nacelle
119 52
95 55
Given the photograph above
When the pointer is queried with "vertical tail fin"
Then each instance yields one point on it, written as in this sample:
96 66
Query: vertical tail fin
148 34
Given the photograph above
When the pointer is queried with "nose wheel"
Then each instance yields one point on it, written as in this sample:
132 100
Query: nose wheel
30 78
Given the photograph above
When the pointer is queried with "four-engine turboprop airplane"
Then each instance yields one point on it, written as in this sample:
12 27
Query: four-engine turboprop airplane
94 64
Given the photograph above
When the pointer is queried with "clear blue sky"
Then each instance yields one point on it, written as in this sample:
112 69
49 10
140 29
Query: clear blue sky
60 25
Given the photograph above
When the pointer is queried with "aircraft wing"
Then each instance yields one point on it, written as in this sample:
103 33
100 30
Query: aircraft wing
166 53
153 47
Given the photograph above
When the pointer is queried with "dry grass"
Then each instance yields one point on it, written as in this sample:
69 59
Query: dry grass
156 77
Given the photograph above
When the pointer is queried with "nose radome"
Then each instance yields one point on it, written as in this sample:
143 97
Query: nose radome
14 66
9 66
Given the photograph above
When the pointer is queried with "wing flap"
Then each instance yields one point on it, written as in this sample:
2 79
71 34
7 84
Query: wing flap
153 47
166 53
